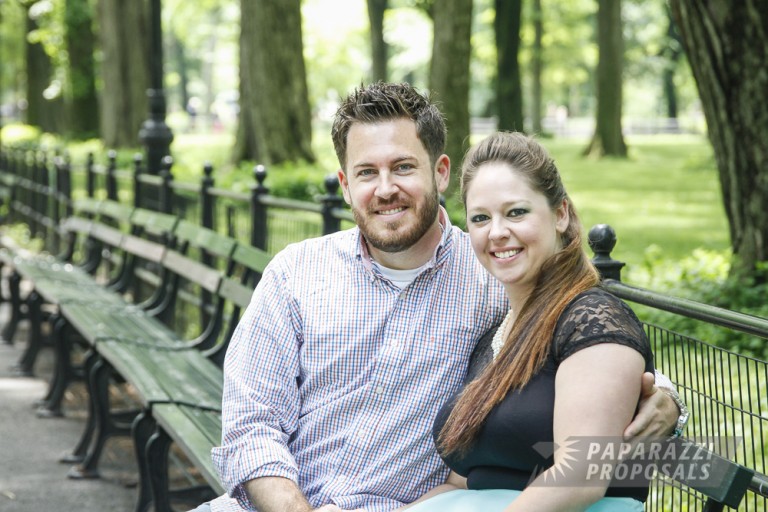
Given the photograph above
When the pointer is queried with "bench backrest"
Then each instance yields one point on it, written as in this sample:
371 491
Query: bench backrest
195 264
722 481
245 269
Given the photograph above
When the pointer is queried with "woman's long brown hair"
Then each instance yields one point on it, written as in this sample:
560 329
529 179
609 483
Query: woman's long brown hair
561 278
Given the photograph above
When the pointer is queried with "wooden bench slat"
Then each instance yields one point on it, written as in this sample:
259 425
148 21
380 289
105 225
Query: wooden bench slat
235 292
192 270
251 257
154 223
142 377
106 234
146 249
215 244
184 428
701 469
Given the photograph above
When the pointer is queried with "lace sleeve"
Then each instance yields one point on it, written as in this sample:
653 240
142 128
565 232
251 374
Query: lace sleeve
597 316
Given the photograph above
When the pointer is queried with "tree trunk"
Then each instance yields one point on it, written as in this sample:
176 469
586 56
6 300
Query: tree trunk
379 48
246 146
1 74
727 47
449 76
124 37
274 106
509 90
83 107
41 112
180 54
608 139
671 53
537 63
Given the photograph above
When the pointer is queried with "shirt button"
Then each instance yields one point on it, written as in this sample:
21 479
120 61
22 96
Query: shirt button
394 343
379 390
341 479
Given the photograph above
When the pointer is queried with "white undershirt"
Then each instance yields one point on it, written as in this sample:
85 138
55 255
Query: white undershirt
400 278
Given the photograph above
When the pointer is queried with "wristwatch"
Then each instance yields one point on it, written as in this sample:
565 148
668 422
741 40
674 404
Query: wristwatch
682 420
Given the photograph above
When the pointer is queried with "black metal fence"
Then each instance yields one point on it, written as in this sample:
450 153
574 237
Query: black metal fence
727 392
46 185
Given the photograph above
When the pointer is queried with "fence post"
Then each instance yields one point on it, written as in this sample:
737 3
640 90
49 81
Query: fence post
111 179
40 180
206 220
207 205
66 185
166 191
602 240
90 177
43 191
58 201
259 234
27 173
331 201
137 158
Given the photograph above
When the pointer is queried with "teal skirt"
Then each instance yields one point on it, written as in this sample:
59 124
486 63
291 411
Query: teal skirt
495 500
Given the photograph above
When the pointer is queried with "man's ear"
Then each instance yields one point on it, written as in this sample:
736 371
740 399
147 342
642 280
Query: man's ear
344 185
442 173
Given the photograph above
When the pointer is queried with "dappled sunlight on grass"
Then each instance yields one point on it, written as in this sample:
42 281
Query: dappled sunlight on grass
666 193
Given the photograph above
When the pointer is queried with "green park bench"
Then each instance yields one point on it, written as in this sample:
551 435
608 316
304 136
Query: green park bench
128 340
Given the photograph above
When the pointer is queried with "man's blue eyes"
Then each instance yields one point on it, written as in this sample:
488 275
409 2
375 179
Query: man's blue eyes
401 168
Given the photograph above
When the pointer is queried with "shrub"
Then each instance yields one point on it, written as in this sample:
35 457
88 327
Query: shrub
704 277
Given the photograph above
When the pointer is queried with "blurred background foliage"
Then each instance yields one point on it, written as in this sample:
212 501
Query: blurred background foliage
664 198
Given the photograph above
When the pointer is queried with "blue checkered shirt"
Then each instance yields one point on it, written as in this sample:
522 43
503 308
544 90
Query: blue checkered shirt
334 375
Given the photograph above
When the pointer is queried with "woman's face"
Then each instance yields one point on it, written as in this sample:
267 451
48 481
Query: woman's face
512 227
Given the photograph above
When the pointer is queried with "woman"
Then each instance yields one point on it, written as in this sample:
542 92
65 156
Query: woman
567 359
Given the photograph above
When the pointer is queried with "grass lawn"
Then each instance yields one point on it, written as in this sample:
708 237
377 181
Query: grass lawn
667 194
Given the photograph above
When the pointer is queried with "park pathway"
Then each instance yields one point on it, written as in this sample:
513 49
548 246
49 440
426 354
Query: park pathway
31 479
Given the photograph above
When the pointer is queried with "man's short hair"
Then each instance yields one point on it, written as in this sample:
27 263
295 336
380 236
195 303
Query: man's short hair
383 101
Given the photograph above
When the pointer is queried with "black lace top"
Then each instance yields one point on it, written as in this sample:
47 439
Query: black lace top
507 452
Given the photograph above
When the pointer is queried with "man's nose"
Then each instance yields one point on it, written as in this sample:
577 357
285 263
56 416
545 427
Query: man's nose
386 186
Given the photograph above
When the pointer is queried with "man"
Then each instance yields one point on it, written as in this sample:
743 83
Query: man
353 341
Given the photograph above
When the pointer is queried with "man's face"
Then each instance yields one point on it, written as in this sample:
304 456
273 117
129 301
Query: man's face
390 185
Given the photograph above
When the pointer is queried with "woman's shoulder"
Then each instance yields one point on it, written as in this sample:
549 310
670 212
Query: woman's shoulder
598 304
597 316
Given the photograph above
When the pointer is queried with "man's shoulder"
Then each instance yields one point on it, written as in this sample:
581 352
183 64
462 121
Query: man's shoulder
340 246
463 253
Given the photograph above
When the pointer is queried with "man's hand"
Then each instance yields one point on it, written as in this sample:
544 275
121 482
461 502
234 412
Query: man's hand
656 415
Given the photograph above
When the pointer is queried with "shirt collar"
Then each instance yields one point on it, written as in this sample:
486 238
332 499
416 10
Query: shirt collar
441 251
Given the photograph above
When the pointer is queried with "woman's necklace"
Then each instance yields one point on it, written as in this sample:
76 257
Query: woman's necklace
499 337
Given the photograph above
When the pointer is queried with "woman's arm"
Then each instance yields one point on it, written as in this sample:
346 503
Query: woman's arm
596 393
453 482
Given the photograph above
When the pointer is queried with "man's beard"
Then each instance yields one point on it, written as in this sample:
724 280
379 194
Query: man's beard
397 242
